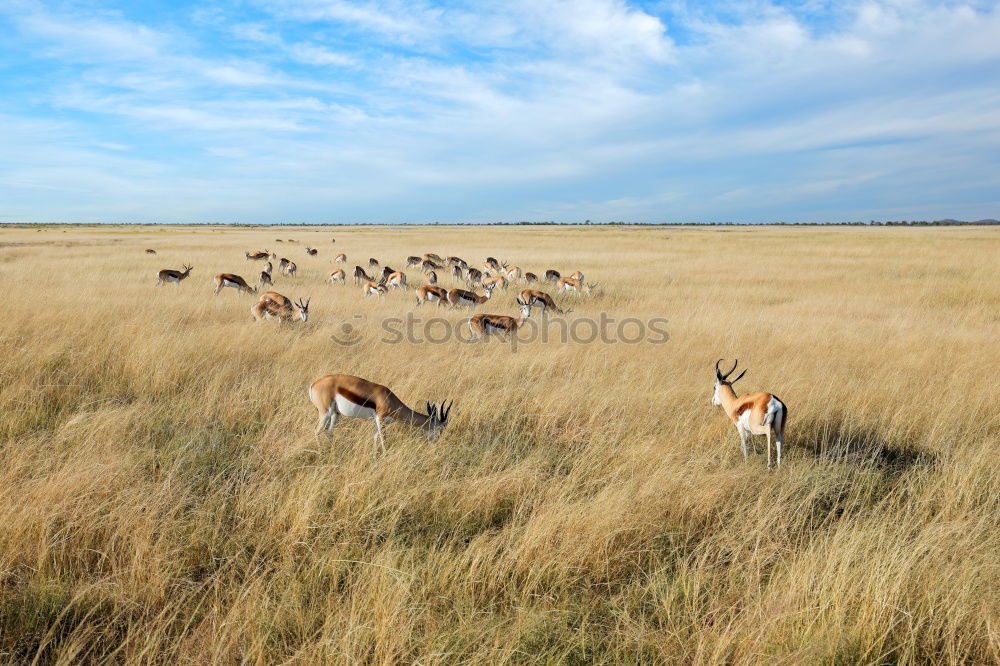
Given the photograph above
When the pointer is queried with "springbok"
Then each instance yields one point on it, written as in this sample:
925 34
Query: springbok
273 305
534 297
495 281
473 276
576 286
552 275
283 264
258 255
513 274
343 395
150 250
752 414
457 297
170 275
456 273
492 264
223 280
268 267
577 275
428 293
432 277
372 289
340 258
372 262
457 261
481 325
412 261
265 278
360 275
530 278
290 269
311 251
396 280
430 256
386 272
337 276
428 265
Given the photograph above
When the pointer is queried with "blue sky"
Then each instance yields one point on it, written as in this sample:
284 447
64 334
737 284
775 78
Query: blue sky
391 111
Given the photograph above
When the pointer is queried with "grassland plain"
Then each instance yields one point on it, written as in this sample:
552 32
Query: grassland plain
163 498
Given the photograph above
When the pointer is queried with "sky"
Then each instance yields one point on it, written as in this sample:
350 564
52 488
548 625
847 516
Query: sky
393 111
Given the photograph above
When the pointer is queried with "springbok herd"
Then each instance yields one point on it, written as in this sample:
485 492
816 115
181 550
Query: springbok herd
345 395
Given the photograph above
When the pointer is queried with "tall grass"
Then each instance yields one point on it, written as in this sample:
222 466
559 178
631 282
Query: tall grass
163 498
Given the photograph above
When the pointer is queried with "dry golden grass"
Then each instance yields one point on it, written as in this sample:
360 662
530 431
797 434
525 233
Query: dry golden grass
163 498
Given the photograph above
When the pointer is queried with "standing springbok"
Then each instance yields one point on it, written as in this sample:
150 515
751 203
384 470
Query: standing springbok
283 264
430 256
513 274
344 395
576 286
577 275
290 269
752 414
492 264
473 276
150 250
223 280
337 276
534 297
268 267
457 297
482 325
428 265
372 289
372 262
170 275
386 272
265 278
552 275
361 276
427 293
530 278
396 280
273 305
412 261
340 259
494 282
311 251
432 277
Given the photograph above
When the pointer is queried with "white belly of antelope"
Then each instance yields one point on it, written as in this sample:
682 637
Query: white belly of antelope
348 408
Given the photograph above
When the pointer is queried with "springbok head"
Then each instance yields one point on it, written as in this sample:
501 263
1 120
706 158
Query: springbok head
438 419
722 379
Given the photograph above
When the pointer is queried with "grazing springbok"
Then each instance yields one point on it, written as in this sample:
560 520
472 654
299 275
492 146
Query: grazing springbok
577 275
372 262
428 265
361 276
473 276
428 293
430 256
386 272
752 414
290 269
457 261
412 261
457 297
258 255
552 275
482 325
513 274
529 278
223 280
340 259
343 395
372 289
492 264
576 286
495 281
265 278
311 251
396 280
337 276
273 305
534 297
170 275
432 277
150 250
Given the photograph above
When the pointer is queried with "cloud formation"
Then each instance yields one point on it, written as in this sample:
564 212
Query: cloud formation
391 111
